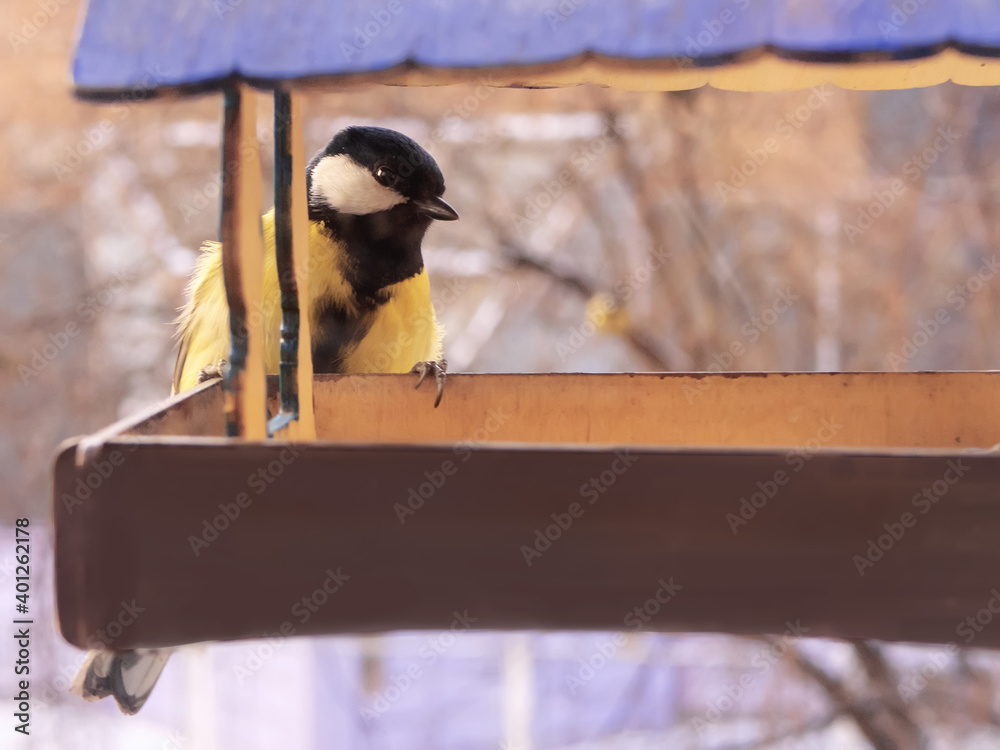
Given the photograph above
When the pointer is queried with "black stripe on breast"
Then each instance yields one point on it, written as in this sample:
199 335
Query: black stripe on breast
337 332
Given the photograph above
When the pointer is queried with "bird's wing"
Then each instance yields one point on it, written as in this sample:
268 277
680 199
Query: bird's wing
203 324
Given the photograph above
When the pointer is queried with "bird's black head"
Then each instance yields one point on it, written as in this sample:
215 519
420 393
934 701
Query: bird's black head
376 191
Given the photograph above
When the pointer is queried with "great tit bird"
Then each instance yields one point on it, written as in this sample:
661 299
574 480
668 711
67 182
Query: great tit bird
372 196
372 193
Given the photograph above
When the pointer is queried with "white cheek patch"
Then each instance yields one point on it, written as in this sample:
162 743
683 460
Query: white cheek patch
350 188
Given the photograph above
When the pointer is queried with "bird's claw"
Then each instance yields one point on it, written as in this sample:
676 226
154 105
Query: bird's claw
440 370
209 372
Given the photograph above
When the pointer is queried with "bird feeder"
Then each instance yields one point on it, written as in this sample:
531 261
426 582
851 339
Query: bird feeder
544 501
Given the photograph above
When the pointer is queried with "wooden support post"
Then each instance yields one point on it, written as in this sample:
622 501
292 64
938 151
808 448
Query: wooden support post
291 236
242 265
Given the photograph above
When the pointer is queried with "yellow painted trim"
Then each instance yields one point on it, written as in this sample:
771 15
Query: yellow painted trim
758 72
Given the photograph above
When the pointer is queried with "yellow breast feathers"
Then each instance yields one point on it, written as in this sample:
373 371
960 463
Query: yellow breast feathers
402 332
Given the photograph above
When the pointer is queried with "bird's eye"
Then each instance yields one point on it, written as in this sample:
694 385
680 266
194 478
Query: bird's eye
386 176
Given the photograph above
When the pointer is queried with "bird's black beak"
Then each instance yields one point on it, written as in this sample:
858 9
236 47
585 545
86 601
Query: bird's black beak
436 208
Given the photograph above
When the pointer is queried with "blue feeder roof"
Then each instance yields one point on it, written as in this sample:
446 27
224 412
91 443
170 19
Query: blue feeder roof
144 48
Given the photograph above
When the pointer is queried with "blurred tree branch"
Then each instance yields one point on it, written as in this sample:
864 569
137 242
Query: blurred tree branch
885 681
816 725
642 341
868 715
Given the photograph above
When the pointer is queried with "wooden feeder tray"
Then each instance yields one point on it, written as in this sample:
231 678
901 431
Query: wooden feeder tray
424 512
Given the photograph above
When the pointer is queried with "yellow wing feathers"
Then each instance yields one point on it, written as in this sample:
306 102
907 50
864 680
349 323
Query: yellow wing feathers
404 330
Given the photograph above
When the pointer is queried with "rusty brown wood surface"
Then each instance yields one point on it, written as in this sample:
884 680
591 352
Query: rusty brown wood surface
656 515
